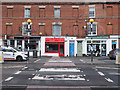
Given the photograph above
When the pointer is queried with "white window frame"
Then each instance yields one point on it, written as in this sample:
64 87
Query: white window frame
24 31
91 6
95 23
55 24
27 11
56 15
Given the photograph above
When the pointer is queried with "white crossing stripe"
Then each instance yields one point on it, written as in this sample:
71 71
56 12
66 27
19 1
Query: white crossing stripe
58 77
8 79
13 66
37 60
18 72
59 70
109 80
101 73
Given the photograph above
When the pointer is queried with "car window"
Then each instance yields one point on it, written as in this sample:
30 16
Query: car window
7 50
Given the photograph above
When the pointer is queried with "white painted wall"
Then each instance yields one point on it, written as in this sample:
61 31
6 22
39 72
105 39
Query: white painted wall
84 46
66 47
75 53
108 46
1 42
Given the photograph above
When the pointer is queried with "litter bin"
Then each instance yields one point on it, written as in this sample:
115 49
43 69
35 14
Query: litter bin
35 54
1 57
118 58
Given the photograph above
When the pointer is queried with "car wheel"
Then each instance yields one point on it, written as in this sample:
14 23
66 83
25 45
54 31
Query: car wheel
19 58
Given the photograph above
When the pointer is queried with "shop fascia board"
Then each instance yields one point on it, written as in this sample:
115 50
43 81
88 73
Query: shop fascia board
80 39
114 36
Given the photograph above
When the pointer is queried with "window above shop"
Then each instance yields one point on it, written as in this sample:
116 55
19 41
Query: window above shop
91 11
27 12
56 29
56 12
94 29
24 31
10 11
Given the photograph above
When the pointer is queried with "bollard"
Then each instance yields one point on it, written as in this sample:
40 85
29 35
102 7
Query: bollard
1 57
118 58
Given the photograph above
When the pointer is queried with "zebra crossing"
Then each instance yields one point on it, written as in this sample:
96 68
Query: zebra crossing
54 72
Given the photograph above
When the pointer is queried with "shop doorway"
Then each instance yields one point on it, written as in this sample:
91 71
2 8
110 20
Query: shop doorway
79 48
71 49
61 49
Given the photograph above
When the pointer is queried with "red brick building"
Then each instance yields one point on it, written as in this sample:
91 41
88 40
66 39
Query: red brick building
62 19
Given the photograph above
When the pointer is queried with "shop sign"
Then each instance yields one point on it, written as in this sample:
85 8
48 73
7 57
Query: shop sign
54 40
97 37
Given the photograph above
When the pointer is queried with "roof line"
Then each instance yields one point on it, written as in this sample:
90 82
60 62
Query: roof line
55 3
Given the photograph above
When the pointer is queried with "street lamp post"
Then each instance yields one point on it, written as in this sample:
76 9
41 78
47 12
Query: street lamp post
40 42
28 30
91 21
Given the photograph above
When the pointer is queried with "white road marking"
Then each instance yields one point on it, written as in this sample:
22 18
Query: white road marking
88 80
82 60
29 78
115 73
13 66
109 80
24 68
58 77
59 70
18 72
107 67
8 79
101 73
72 79
37 60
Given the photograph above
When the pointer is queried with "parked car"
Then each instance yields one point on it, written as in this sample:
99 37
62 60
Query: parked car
10 53
112 53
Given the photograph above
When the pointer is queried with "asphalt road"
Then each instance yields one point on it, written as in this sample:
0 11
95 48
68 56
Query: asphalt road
61 72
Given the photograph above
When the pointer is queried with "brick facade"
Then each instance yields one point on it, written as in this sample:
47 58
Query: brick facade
106 17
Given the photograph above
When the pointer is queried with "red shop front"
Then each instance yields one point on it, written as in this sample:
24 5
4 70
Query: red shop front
54 45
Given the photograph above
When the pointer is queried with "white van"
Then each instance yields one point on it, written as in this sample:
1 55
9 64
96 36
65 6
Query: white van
10 53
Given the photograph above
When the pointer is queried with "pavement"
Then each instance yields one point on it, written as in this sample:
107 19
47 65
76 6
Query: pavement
61 73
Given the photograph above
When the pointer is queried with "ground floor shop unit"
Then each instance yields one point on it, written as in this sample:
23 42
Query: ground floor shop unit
58 46
64 45
100 45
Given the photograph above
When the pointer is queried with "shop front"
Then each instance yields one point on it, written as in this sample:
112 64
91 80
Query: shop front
21 42
98 45
53 47
101 45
